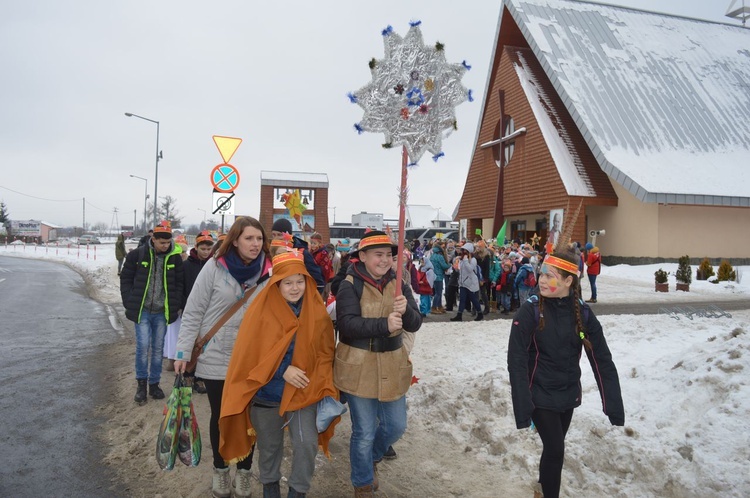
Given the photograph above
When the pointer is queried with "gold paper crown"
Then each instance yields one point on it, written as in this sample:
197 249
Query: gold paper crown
285 241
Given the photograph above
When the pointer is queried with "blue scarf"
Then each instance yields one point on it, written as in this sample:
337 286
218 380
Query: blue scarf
244 274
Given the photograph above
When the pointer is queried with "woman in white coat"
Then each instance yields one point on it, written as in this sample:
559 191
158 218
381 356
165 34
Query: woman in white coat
240 264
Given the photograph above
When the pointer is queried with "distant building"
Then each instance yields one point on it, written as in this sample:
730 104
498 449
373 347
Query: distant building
641 118
364 219
313 189
33 231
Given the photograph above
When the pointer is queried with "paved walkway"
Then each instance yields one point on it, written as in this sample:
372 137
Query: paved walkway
603 308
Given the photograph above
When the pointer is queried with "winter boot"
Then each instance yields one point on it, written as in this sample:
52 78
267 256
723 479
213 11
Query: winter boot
241 484
140 393
221 486
155 391
293 493
364 492
457 318
199 387
479 317
390 454
272 490
442 310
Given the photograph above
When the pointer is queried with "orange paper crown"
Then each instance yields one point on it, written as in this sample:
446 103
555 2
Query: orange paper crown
375 240
163 227
291 256
204 236
284 241
561 264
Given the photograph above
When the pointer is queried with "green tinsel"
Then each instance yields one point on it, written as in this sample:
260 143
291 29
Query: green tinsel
373 62
388 145
439 46
455 125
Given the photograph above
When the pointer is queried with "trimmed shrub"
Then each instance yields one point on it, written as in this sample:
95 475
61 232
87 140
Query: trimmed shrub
684 273
705 270
726 273
660 276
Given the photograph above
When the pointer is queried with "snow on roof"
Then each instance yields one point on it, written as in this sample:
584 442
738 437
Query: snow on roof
422 215
569 165
662 101
293 179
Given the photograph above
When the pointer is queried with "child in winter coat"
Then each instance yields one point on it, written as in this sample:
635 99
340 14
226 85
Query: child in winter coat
504 287
426 286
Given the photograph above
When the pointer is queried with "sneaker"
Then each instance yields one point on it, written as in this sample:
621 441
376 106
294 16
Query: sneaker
591 300
293 493
242 483
199 387
221 485
390 454
155 391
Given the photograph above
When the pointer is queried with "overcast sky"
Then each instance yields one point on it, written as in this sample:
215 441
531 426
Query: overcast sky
275 74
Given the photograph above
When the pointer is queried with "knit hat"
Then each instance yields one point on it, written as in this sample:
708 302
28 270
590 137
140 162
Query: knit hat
204 236
375 239
163 230
282 225
589 246
343 245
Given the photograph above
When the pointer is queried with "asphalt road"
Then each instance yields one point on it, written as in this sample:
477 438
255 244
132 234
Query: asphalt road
52 335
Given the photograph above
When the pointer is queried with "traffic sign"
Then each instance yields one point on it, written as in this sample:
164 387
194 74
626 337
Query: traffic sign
225 178
227 146
223 203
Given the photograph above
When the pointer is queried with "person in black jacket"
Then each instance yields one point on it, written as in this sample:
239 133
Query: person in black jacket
151 285
545 344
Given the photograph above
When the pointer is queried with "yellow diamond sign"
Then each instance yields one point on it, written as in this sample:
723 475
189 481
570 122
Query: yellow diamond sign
227 146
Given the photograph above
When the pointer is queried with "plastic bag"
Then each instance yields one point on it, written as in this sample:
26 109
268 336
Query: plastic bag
189 439
179 433
166 441
328 409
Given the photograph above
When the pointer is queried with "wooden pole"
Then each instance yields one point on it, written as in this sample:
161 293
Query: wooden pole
402 220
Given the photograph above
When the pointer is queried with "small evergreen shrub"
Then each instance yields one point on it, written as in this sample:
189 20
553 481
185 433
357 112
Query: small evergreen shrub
684 273
726 273
705 270
660 276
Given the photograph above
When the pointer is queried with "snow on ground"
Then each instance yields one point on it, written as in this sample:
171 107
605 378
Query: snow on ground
685 383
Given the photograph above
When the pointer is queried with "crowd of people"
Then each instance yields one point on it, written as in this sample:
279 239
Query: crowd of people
283 324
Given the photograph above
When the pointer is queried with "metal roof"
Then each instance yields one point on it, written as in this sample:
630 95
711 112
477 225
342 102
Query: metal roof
662 101
294 179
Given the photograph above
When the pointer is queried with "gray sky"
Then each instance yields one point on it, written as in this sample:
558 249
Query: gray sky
275 74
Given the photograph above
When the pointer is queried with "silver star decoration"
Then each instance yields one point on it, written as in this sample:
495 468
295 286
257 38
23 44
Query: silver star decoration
413 94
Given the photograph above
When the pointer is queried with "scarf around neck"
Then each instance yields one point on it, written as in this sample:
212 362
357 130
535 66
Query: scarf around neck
240 271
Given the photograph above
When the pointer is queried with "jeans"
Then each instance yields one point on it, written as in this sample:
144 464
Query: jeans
505 299
592 281
376 425
437 299
149 334
466 295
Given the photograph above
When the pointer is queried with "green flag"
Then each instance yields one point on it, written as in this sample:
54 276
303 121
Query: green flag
500 239
478 231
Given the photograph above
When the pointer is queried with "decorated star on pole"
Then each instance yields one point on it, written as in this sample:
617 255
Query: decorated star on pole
294 205
413 94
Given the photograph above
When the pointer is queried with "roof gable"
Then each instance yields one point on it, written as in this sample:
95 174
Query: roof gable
660 100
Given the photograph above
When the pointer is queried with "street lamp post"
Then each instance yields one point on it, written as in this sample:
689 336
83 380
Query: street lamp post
158 156
145 203
204 215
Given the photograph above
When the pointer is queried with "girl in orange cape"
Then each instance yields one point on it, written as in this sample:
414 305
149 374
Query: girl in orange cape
281 366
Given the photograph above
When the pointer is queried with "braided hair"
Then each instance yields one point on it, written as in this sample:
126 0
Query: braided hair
569 255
